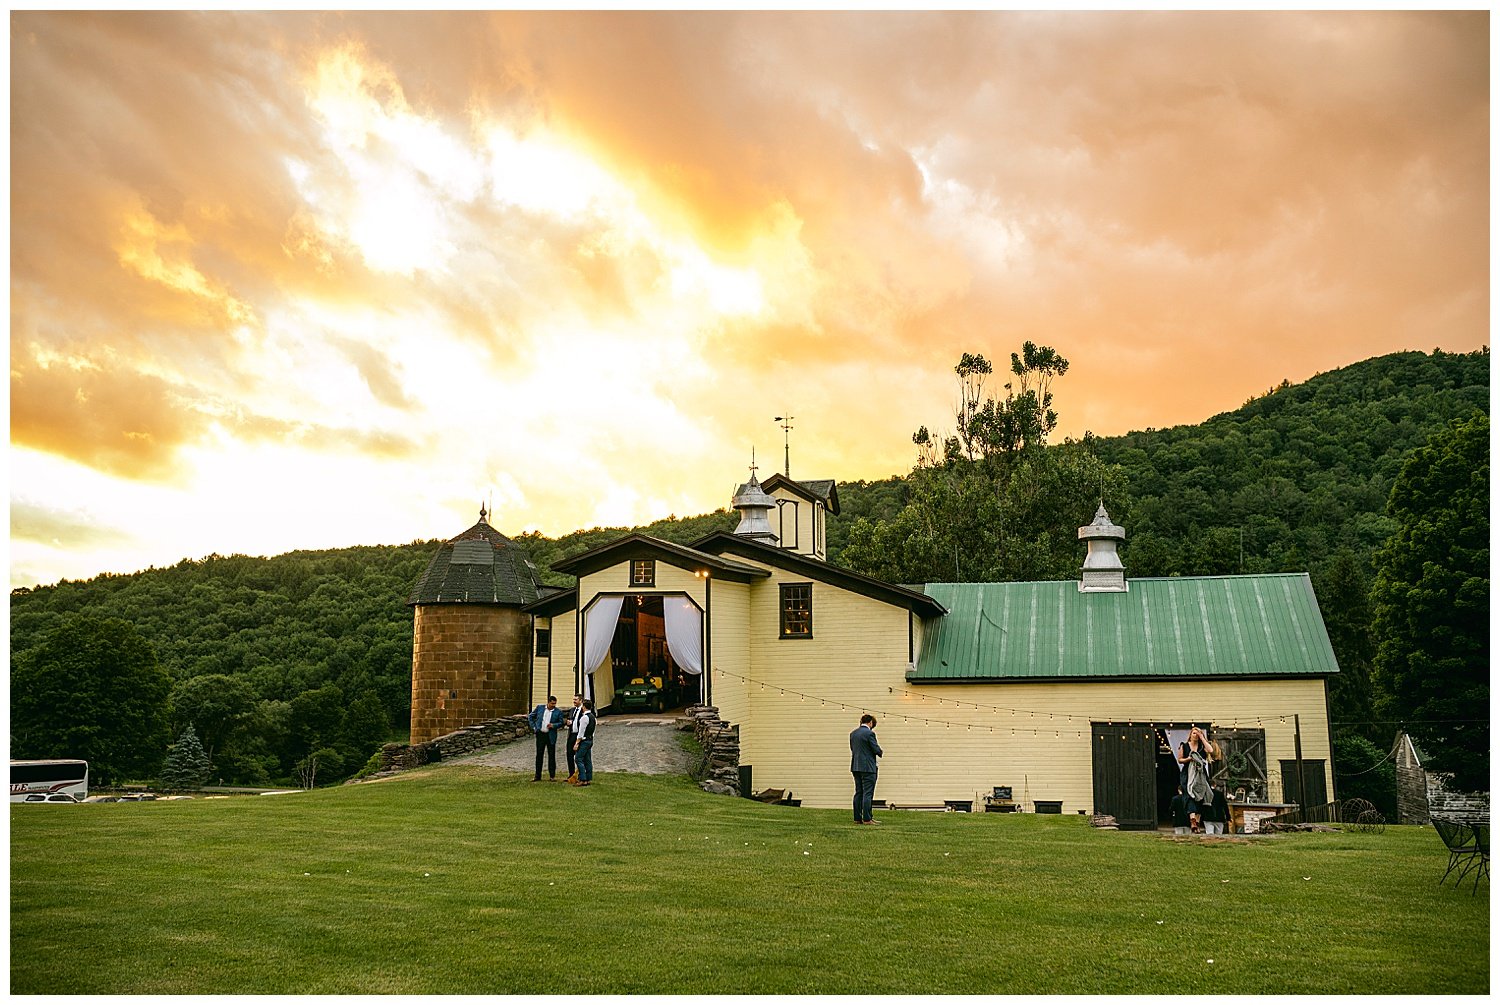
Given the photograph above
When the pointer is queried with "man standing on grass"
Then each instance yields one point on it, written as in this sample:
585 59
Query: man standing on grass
573 717
864 749
545 721
583 747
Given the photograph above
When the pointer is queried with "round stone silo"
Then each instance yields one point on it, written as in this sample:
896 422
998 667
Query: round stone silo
471 645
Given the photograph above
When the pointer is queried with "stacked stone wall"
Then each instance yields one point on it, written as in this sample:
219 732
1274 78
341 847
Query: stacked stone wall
396 757
719 771
470 664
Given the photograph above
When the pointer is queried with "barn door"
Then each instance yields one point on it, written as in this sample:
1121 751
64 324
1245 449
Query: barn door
1125 774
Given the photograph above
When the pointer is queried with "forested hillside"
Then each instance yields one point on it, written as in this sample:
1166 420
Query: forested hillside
1293 475
1298 478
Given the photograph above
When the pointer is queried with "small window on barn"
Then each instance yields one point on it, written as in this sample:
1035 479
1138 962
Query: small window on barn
544 642
643 572
796 610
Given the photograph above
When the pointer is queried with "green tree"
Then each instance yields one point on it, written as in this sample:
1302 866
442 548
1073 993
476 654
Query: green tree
1364 771
187 765
92 689
317 717
325 762
996 503
1431 600
366 727
1343 597
214 706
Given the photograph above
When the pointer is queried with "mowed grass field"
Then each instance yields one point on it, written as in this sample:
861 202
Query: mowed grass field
468 879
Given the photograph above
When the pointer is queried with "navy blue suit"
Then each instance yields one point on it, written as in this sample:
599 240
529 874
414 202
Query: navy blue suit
863 750
546 739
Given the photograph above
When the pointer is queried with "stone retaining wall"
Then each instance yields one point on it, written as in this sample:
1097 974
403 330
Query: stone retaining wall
719 771
396 757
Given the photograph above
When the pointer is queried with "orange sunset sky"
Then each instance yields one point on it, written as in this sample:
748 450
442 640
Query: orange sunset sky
287 280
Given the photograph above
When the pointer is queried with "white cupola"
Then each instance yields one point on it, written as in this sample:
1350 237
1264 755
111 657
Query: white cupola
1103 572
755 507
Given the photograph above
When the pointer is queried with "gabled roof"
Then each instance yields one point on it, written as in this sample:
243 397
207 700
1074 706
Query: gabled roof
1187 627
820 490
899 596
554 601
479 566
645 546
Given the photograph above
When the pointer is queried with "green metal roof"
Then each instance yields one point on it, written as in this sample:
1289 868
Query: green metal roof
1207 626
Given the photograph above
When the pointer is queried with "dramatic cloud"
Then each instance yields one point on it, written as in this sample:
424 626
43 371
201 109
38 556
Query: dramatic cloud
302 280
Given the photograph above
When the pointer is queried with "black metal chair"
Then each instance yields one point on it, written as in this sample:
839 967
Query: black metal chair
1482 847
1468 847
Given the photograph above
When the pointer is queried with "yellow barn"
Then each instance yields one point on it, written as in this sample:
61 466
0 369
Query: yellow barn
1036 697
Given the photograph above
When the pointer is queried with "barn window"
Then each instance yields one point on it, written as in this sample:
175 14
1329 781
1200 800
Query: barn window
796 610
643 572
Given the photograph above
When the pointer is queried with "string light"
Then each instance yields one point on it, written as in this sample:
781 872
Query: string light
1259 721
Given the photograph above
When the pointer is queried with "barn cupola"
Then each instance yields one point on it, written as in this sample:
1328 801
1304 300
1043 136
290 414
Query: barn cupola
1103 572
755 508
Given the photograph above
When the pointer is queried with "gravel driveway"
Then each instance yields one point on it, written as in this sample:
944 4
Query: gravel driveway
647 745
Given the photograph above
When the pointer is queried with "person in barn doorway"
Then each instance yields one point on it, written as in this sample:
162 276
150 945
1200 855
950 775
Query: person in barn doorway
1193 756
583 747
574 714
545 721
864 750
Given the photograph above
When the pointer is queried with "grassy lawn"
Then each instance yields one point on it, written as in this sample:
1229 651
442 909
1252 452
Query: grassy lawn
442 881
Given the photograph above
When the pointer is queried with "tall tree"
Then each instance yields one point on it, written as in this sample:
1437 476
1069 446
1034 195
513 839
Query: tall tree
994 502
1431 599
1344 598
92 689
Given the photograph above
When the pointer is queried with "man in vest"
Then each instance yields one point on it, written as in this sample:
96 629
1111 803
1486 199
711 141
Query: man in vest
573 730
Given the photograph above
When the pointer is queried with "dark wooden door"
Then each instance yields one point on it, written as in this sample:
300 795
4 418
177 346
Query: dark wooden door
1125 774
1317 786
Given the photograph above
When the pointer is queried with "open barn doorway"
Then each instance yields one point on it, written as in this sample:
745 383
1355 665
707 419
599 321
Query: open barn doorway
643 674
1136 771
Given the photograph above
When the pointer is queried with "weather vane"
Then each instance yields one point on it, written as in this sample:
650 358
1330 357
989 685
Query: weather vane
786 429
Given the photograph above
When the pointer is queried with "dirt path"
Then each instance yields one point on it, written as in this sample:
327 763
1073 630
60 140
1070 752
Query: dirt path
647 745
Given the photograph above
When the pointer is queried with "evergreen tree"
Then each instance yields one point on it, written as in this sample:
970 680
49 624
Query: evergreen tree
186 766
1431 598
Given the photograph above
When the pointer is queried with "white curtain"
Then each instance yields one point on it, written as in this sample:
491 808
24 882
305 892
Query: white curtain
598 632
684 632
685 636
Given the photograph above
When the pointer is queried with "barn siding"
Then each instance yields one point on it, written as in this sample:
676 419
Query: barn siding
802 744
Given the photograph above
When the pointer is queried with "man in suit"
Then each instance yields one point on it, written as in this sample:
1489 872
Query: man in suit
545 721
573 719
862 763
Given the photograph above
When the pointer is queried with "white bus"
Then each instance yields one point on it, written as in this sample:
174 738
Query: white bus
49 781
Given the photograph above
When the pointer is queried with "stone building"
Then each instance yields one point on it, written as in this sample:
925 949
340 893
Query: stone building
471 645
